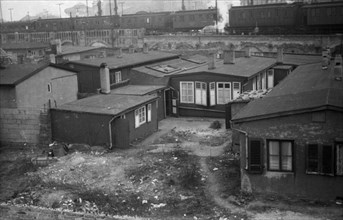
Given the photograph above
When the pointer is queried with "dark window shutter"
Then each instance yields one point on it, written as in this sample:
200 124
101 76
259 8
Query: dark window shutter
312 158
328 159
255 156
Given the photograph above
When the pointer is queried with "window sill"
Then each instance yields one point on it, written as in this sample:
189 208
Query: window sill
320 174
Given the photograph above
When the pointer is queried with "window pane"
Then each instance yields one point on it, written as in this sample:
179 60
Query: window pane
274 163
327 159
286 148
287 163
274 148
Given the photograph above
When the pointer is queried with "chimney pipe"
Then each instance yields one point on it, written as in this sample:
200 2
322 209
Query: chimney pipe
279 58
145 48
105 79
211 62
337 69
229 57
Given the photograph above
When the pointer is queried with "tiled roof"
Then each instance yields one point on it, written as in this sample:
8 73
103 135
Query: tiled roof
136 90
243 66
16 73
128 59
308 87
110 104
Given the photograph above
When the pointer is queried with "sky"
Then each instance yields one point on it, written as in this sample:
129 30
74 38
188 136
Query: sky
21 8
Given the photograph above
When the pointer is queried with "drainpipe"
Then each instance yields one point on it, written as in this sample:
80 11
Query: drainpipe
110 130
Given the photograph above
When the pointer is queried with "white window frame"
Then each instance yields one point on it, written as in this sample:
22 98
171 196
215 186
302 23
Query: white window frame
149 113
223 92
201 93
117 76
140 116
235 94
184 97
212 87
270 76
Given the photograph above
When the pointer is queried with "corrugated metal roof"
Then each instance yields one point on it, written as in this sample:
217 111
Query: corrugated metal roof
307 87
128 59
243 67
110 104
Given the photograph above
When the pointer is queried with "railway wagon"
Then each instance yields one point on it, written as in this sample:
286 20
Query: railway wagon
265 19
157 21
194 19
324 17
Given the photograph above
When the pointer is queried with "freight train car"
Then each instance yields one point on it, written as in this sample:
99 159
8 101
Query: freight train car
193 20
265 19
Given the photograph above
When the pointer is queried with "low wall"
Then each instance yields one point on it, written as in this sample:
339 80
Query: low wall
28 212
24 126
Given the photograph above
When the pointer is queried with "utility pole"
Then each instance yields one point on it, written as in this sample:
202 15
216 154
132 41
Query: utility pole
122 9
11 13
115 7
59 6
110 7
217 31
87 8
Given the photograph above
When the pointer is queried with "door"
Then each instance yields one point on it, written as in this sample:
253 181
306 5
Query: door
172 102
120 133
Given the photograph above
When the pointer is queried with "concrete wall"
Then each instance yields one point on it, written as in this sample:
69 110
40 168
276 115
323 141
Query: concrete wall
24 126
302 130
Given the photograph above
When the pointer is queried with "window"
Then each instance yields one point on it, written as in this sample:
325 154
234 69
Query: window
49 87
280 155
263 79
236 90
339 158
254 162
270 79
254 84
212 93
320 159
223 93
140 116
117 77
149 112
201 93
187 92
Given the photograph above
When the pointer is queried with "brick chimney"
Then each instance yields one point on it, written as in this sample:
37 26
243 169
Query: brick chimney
279 56
211 62
229 57
337 69
105 79
247 52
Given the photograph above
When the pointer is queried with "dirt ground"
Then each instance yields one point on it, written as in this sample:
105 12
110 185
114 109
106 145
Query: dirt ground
186 170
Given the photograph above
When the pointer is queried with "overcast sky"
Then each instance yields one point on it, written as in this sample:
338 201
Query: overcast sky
22 7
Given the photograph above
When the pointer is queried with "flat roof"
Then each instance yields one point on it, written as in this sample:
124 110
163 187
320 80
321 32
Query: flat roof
244 67
107 104
136 90
128 59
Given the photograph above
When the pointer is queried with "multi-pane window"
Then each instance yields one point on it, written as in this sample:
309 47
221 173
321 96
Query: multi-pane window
149 112
236 90
201 93
223 93
187 92
117 76
212 93
280 155
140 116
320 159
